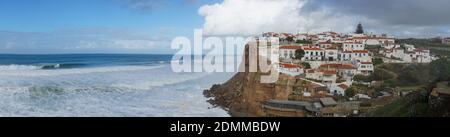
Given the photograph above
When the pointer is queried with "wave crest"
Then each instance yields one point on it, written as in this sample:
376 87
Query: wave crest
19 67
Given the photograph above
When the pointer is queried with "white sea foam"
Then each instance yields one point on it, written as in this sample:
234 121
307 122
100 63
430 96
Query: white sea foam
15 67
107 91
20 70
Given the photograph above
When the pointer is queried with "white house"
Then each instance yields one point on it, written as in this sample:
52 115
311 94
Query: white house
422 56
399 53
301 37
355 55
313 54
327 77
288 52
409 48
364 68
373 40
326 44
446 40
331 54
345 56
290 69
344 70
361 55
390 46
350 46
338 89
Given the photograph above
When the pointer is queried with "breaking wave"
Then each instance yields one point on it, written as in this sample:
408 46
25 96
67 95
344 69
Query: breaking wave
13 67
107 91
21 70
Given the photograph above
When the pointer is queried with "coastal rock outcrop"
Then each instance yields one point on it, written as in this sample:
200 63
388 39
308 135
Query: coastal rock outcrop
243 94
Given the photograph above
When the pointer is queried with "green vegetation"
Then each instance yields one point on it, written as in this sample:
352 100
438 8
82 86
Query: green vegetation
362 78
434 45
359 29
303 42
377 61
379 75
306 65
399 75
441 69
290 39
412 105
299 53
350 92
422 43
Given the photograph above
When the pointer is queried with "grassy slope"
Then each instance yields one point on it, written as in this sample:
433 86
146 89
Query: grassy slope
413 105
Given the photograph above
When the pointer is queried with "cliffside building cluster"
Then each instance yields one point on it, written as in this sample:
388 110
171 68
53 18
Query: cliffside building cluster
334 59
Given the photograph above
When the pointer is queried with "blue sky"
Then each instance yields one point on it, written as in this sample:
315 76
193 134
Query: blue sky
63 26
148 26
50 15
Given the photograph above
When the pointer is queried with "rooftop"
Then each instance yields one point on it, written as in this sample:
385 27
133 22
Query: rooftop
337 66
328 101
311 48
360 51
343 86
301 105
290 47
366 63
443 88
285 65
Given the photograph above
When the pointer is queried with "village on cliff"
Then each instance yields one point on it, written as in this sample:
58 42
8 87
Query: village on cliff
327 64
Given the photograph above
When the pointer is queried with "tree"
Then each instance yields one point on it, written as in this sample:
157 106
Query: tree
359 29
306 65
290 39
303 42
299 54
350 92
377 61
441 68
362 78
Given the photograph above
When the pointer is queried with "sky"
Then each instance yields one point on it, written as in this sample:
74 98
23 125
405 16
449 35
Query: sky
148 26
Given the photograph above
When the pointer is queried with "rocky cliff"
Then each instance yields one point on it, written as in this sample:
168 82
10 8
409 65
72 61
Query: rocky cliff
243 94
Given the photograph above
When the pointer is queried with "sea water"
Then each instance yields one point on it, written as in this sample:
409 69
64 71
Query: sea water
111 85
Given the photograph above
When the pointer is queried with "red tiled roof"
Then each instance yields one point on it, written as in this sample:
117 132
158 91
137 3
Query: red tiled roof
343 86
347 52
290 47
311 48
360 51
371 38
284 65
366 63
328 71
337 66
352 43
324 42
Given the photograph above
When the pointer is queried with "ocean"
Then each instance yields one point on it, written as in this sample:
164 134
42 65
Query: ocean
104 85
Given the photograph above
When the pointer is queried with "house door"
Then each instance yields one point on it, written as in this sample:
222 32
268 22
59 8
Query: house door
330 59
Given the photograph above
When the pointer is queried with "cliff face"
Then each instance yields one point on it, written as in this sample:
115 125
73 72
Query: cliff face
243 94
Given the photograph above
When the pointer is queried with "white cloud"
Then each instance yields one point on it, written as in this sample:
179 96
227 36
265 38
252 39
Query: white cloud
250 17
134 44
